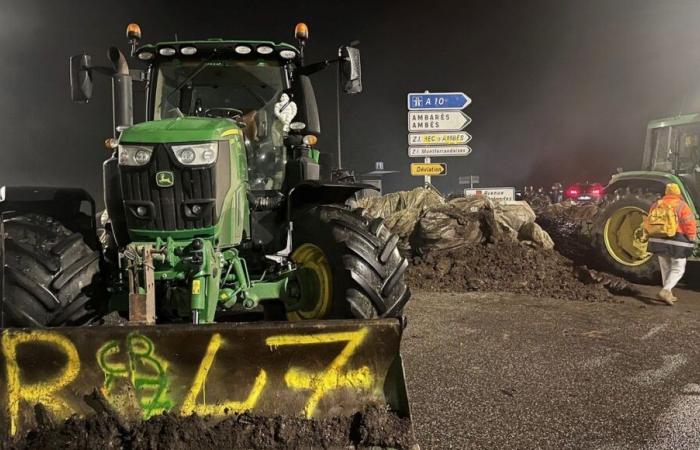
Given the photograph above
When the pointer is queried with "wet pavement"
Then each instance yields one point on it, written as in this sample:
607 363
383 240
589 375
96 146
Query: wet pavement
491 370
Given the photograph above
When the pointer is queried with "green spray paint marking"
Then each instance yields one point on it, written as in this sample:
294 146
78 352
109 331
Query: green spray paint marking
146 371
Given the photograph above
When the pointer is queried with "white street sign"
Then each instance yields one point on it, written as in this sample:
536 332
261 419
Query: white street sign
457 138
468 179
437 120
433 150
497 194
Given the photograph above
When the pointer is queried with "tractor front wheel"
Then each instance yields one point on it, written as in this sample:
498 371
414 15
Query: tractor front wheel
347 266
50 273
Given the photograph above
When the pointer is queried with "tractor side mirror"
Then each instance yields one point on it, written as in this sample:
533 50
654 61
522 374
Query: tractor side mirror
80 78
350 69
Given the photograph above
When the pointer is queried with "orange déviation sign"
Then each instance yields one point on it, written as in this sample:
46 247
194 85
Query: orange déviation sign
428 169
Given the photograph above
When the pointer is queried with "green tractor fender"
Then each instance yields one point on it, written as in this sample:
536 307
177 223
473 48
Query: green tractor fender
310 193
648 181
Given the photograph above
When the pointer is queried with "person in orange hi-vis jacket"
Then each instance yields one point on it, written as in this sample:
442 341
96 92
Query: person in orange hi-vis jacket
673 251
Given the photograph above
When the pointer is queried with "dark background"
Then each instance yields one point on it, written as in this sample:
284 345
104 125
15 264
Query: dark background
561 90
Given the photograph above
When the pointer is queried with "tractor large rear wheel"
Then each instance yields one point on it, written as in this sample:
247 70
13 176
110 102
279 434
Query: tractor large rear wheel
348 266
619 239
50 273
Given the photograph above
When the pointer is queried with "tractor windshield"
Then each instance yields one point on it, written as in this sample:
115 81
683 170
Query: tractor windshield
245 91
195 87
676 148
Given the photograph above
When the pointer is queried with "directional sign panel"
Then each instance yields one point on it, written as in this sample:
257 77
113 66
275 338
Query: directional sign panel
434 150
437 120
497 194
428 169
458 138
438 100
469 179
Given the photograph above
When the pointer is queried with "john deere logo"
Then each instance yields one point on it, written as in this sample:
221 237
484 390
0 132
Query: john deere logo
165 179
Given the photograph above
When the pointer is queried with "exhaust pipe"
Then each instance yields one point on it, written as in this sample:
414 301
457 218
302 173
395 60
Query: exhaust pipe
122 97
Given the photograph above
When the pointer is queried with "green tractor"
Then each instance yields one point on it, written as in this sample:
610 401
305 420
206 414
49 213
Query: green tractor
671 154
214 204
216 213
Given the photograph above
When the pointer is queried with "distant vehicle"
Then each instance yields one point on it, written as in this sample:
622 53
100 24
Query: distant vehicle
585 192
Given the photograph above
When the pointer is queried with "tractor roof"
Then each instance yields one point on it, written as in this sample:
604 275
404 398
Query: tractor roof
681 119
241 48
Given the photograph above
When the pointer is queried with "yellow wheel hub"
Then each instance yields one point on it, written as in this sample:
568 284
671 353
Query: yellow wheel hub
316 283
625 239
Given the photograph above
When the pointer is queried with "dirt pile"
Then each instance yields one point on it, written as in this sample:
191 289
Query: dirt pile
375 427
571 228
506 267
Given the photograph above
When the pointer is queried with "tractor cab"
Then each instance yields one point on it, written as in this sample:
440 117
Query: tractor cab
673 146
250 83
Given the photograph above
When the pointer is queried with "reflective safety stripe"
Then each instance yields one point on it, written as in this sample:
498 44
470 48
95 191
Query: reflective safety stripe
670 242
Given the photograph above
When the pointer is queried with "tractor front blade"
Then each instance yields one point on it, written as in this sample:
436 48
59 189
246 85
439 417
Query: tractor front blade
308 369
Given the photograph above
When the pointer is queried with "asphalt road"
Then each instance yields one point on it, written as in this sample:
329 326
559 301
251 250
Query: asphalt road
491 370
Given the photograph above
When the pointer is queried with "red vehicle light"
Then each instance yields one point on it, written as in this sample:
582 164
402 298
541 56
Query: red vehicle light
596 189
572 193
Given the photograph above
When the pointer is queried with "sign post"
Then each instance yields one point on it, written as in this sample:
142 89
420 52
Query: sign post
435 124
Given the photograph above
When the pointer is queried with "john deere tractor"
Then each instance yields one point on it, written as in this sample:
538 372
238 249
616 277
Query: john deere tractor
217 213
671 154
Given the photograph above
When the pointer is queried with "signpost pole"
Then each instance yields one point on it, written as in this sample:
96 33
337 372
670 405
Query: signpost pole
427 180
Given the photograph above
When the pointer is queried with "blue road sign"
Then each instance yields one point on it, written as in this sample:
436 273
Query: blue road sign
438 100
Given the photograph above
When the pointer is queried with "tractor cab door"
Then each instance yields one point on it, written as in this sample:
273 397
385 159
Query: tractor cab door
676 149
688 159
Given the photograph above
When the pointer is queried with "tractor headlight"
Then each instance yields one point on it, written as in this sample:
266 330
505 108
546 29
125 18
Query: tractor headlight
196 154
134 155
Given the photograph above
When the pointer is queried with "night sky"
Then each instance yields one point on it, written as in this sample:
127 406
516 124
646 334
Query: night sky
561 90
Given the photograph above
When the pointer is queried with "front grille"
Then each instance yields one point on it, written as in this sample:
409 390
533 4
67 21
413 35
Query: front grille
167 206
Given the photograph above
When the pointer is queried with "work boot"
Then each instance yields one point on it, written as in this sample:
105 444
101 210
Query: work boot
666 296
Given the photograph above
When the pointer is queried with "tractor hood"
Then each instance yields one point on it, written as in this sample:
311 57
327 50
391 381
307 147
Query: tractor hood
181 129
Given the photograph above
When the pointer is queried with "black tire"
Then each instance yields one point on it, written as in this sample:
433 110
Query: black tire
367 270
647 272
50 273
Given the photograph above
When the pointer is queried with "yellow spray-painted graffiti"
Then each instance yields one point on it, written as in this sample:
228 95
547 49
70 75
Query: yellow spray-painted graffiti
335 376
146 371
40 391
138 378
190 405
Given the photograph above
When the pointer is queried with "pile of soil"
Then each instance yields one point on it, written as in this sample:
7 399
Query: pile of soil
507 267
571 229
375 427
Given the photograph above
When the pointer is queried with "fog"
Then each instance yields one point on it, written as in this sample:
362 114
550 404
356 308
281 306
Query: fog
560 90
